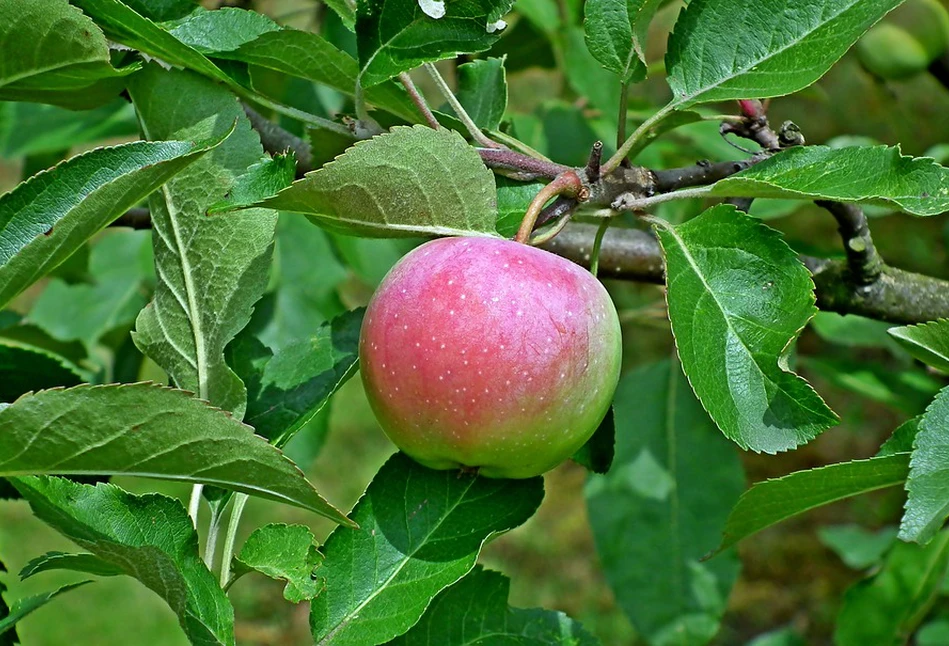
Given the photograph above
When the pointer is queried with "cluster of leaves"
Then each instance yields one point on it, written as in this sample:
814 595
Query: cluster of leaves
250 373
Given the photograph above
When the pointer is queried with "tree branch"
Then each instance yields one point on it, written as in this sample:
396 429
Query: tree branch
897 296
863 260
275 139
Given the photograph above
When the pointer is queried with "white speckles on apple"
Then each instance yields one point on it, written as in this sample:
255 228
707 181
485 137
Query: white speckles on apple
464 296
451 312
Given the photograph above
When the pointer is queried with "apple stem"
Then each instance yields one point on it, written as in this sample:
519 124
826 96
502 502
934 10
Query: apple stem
597 243
567 183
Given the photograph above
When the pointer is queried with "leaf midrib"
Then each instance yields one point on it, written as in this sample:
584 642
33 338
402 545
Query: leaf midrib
408 557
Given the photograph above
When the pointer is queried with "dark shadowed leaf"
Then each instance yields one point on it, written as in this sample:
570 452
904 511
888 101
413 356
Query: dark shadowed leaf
420 531
285 390
738 296
724 50
877 175
597 454
151 431
482 90
148 537
36 129
889 606
475 611
24 368
662 507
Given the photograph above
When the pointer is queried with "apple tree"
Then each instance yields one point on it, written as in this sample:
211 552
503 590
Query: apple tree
207 194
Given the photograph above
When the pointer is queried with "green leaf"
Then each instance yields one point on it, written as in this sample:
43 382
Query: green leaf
285 390
419 532
773 501
738 296
513 199
474 611
927 503
25 368
150 431
299 302
283 552
162 10
120 274
88 563
395 36
928 342
597 454
724 50
22 607
261 180
616 34
46 218
252 38
482 90
222 30
888 607
877 175
856 546
148 537
211 269
61 56
663 506
412 181
903 438
37 129
125 25
590 80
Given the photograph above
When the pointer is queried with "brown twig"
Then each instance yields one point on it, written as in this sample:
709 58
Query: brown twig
864 262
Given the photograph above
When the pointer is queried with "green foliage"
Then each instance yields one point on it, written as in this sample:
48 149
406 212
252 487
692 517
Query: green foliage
61 57
772 501
480 599
283 552
616 34
877 175
398 35
256 315
148 537
22 607
927 504
45 219
782 47
413 181
928 342
662 506
889 606
285 390
419 532
206 292
737 298
146 430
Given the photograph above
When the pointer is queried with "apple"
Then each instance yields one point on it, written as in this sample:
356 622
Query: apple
489 355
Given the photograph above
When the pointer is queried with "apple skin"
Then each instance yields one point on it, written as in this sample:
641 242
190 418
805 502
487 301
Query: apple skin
489 355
